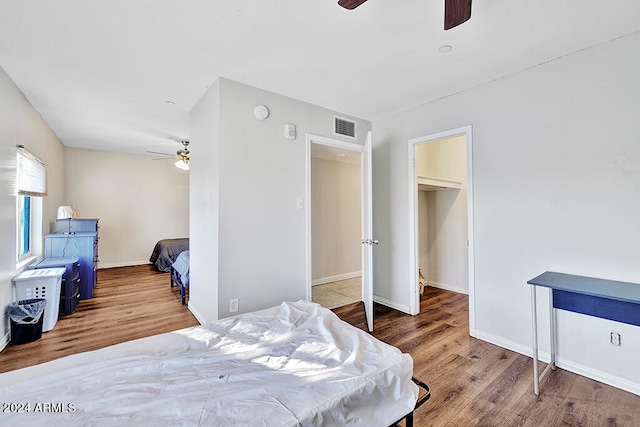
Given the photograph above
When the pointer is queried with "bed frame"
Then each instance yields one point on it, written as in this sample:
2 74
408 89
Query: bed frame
421 399
175 280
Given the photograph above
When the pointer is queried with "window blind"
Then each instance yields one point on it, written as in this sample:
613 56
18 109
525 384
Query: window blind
32 174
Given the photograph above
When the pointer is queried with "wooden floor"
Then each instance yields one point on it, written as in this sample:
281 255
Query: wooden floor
128 303
472 383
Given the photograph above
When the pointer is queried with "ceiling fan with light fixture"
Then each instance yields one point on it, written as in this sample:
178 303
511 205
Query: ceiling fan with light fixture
181 156
455 11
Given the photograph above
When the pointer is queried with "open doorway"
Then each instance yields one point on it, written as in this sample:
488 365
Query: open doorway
335 222
441 207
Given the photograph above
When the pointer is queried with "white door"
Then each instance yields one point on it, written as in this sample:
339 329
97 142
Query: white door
367 234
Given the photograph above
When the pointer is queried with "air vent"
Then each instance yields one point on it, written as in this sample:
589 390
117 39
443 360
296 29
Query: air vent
344 127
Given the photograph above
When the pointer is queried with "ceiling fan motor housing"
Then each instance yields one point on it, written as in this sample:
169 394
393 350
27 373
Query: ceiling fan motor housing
185 151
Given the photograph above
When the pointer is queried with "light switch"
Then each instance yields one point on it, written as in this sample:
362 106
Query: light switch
300 203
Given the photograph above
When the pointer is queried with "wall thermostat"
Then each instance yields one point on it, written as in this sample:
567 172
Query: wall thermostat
290 131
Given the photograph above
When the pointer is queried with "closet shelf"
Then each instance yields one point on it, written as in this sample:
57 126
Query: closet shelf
427 183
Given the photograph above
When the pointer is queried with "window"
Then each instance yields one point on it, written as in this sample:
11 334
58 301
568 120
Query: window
24 226
32 186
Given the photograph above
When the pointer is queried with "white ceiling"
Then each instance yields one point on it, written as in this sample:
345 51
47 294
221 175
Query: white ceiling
100 72
335 154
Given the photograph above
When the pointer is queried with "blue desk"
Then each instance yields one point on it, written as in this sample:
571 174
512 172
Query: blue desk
607 299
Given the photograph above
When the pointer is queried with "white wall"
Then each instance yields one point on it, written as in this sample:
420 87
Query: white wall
21 124
556 163
424 200
443 244
204 146
335 220
259 175
138 201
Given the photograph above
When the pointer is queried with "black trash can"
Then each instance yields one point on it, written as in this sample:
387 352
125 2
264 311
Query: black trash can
26 319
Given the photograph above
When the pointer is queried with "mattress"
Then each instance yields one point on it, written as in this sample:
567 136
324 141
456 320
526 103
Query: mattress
289 365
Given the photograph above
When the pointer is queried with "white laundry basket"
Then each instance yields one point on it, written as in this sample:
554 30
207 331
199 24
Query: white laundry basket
42 283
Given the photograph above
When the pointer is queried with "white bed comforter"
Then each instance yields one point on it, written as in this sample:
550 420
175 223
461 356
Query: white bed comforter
294 364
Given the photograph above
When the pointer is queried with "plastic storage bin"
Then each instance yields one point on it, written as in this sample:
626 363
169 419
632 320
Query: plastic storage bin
26 318
42 283
69 290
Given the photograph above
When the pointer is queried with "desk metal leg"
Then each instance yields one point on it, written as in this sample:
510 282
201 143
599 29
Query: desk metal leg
552 335
534 311
552 331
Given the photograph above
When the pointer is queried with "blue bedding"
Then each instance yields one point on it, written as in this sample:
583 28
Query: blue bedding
181 266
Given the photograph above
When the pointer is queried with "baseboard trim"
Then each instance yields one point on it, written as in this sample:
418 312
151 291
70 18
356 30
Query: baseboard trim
456 289
391 304
329 279
195 313
598 375
511 345
564 363
121 264
5 341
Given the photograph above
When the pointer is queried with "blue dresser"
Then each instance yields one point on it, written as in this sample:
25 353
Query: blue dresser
78 242
76 225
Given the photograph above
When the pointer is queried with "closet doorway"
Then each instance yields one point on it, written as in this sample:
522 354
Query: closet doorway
441 223
335 207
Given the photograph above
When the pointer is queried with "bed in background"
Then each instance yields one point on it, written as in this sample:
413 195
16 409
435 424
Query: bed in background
290 365
166 251
180 274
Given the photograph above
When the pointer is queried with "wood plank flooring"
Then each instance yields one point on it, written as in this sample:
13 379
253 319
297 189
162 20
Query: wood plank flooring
472 383
128 303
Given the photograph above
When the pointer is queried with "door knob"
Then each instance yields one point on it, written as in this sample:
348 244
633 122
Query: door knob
369 242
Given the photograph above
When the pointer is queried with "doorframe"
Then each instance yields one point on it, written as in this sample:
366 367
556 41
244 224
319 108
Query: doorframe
322 140
414 299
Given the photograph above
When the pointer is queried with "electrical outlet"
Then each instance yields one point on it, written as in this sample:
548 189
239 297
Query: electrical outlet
616 339
233 305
